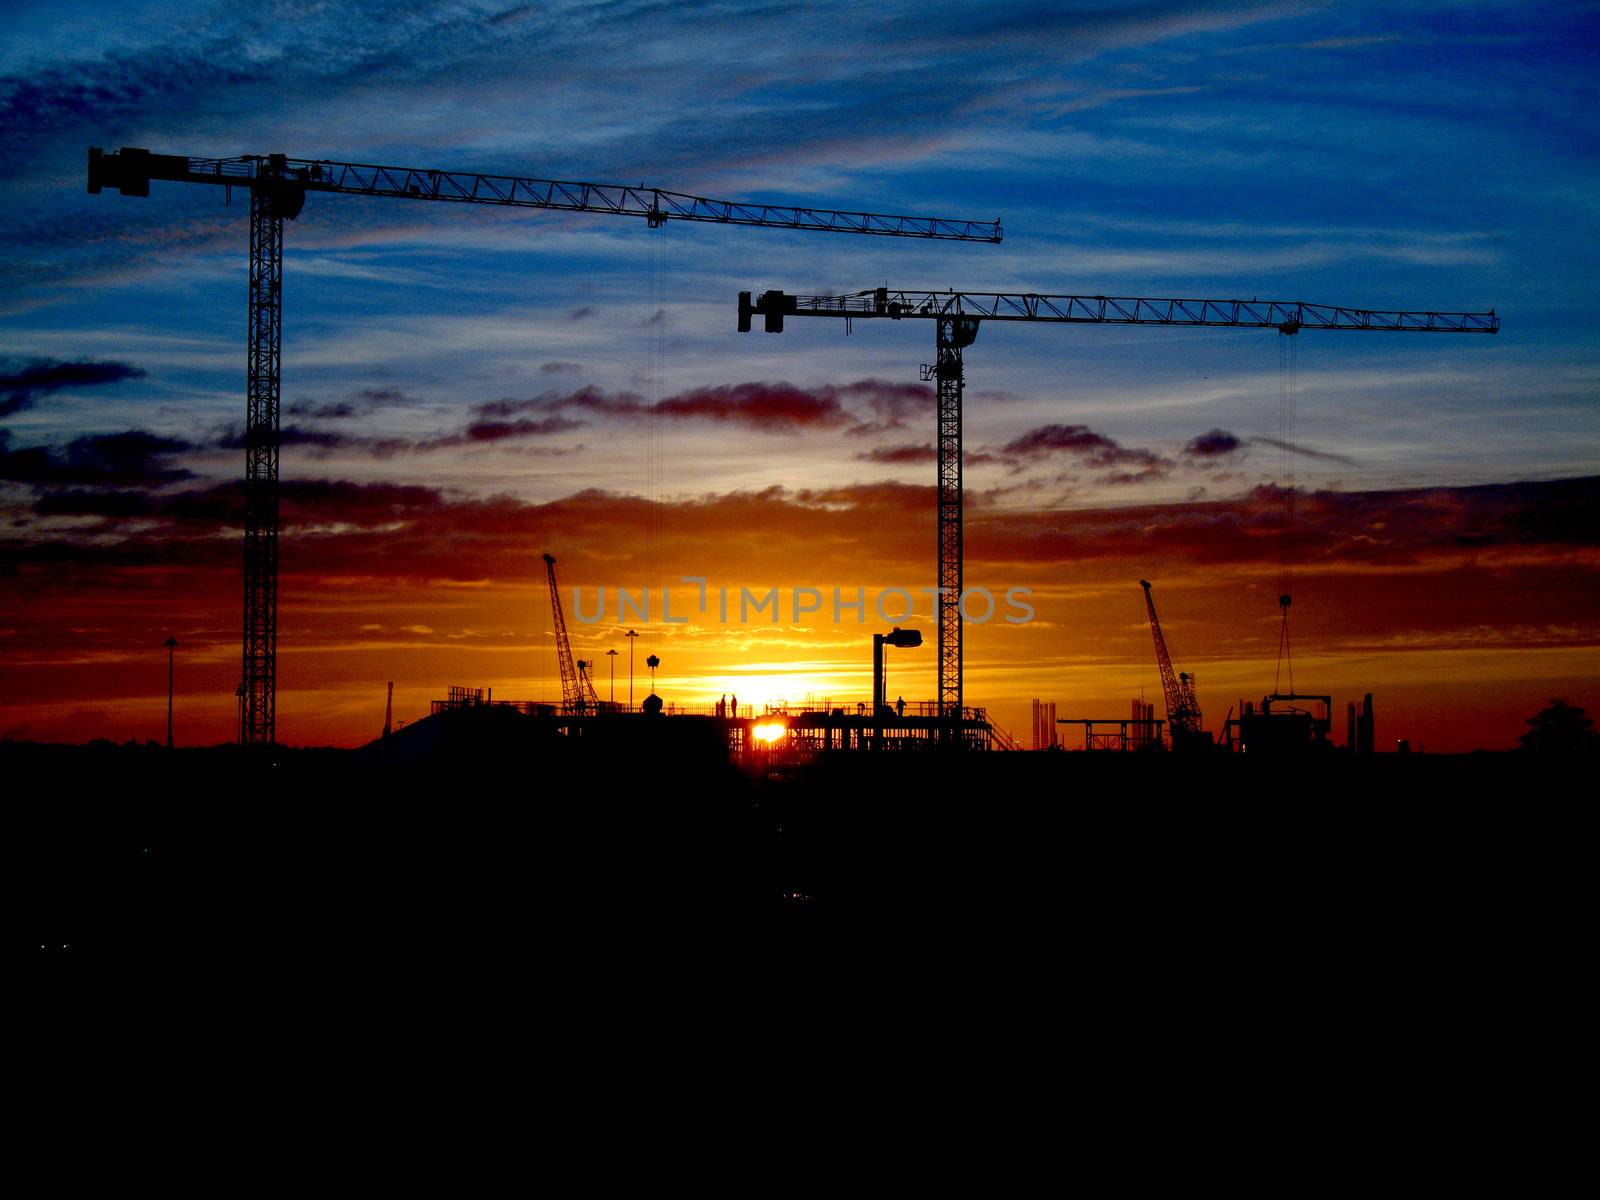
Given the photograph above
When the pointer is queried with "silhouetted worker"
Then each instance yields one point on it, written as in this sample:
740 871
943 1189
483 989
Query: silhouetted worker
900 707
736 706
722 705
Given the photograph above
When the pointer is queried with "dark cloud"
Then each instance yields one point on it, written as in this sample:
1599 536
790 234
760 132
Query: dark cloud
326 442
1304 451
365 401
19 389
1336 530
421 532
1123 464
589 399
499 431
889 406
769 406
133 458
911 452
79 502
925 452
560 368
1216 443
294 435
862 407
340 410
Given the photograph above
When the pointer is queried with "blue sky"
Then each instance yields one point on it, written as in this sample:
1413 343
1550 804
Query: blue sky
1435 156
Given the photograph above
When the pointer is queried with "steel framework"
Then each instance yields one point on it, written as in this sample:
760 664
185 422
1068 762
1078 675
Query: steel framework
1183 708
1287 316
957 316
278 186
577 693
954 335
260 676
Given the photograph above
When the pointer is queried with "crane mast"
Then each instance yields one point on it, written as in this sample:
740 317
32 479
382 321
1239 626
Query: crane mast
278 187
1183 709
958 316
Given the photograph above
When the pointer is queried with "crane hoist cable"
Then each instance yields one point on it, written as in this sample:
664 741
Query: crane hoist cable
655 386
1288 385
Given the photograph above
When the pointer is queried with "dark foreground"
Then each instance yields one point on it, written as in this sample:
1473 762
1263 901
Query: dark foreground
133 851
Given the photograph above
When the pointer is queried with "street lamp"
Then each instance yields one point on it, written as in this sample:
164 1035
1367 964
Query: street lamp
171 644
897 637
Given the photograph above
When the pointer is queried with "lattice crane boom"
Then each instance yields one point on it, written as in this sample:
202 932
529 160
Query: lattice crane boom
290 179
278 186
1183 710
577 693
1287 316
958 316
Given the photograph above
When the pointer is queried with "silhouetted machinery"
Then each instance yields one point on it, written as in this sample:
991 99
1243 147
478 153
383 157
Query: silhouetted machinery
1282 724
577 693
278 186
957 316
1183 709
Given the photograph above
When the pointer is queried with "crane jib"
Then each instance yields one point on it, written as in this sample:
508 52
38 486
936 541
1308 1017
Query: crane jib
1286 316
130 171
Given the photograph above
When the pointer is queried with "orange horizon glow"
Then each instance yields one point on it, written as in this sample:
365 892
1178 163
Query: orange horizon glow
1438 631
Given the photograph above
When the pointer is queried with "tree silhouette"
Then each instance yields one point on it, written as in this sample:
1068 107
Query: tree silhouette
1561 728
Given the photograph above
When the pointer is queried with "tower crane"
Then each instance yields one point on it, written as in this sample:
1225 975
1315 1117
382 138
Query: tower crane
957 316
278 187
1183 709
577 693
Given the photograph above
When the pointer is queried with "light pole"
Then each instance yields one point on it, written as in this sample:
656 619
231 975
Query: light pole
630 635
171 644
612 655
899 637
239 693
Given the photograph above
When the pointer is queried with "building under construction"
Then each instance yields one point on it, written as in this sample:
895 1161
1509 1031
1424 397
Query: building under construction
775 733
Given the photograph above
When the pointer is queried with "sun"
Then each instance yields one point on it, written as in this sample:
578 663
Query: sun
769 732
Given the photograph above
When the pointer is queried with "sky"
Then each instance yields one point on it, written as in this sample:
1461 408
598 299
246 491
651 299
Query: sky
466 388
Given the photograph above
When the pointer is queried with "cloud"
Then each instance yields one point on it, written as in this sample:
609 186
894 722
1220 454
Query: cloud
1214 444
326 442
1304 451
775 407
911 452
292 435
340 410
925 452
889 405
19 389
365 401
340 527
1125 465
498 431
133 458
865 406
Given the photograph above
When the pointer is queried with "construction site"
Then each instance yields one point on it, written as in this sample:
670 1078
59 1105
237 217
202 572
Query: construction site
833 802
1284 721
